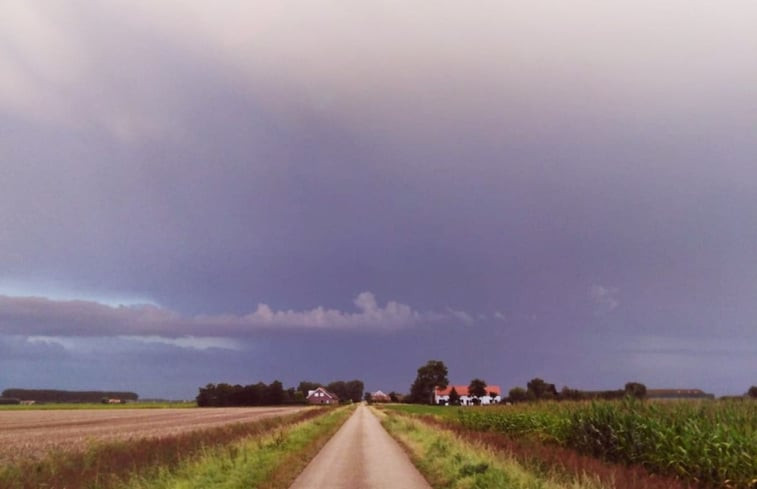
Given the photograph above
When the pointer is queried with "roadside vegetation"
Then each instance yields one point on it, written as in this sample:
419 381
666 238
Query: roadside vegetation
111 465
449 461
711 444
271 461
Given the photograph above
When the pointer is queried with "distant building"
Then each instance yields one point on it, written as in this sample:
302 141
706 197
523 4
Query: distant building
678 394
493 395
322 396
379 396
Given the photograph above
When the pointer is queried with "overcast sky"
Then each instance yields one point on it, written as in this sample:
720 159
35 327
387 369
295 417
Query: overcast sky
196 192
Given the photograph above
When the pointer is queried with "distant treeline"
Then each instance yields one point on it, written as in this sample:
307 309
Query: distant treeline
49 395
537 389
273 394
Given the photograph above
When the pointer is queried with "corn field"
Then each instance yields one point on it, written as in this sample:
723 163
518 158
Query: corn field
710 443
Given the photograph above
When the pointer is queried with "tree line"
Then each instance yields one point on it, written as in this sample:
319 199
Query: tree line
51 395
273 394
434 374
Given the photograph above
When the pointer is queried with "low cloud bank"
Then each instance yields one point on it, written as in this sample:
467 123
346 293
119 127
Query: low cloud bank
36 316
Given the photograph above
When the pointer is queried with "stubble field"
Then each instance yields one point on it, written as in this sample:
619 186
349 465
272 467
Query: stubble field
30 435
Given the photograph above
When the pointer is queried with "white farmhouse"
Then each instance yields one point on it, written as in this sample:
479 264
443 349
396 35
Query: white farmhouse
493 395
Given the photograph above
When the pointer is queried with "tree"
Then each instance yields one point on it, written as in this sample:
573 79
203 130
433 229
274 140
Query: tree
305 386
454 397
477 387
395 396
431 375
276 393
636 390
518 394
539 389
354 390
368 397
752 392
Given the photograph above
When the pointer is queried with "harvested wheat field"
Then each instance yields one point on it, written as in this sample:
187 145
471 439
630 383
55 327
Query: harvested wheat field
31 434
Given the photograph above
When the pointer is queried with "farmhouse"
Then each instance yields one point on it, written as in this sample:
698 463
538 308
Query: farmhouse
678 394
379 396
494 393
322 396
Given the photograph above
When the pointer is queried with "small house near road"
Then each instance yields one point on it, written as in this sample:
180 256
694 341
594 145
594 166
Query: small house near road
379 396
322 396
493 395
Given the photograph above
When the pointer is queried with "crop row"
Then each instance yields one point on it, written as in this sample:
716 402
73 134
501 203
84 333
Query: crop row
711 443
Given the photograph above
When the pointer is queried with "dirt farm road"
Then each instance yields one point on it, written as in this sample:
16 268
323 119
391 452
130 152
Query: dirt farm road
361 455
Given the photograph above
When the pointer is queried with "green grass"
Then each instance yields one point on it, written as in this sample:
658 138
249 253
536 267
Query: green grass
271 461
449 462
709 442
97 405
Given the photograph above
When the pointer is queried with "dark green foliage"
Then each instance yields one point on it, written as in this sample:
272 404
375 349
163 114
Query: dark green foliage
538 389
259 394
9 400
305 386
433 374
707 442
477 387
635 390
517 394
273 394
454 397
346 391
752 392
49 395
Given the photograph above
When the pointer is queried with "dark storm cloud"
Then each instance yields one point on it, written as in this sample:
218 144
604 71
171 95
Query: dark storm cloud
584 170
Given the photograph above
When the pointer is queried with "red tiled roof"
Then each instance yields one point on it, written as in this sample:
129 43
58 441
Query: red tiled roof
462 390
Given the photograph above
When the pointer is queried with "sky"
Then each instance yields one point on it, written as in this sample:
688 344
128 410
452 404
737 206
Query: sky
243 191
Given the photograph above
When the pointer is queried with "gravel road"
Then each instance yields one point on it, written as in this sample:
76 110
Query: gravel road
361 455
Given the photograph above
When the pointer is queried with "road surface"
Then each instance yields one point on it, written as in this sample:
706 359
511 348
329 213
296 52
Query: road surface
361 455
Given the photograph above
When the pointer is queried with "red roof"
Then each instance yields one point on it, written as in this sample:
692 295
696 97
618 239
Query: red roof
462 390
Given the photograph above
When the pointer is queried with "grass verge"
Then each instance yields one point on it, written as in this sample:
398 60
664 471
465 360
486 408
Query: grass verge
108 465
272 461
447 461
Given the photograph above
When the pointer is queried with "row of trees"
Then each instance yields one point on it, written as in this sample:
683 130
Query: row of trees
434 374
350 390
51 395
537 389
273 394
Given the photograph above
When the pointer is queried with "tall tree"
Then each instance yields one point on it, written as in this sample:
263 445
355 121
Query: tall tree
431 375
454 397
477 387
305 386
752 392
539 389
636 389
354 390
518 394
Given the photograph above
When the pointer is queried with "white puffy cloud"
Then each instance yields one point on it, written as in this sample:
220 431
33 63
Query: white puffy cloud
42 317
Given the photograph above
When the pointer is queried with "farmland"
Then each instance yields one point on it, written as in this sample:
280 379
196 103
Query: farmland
31 434
711 443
